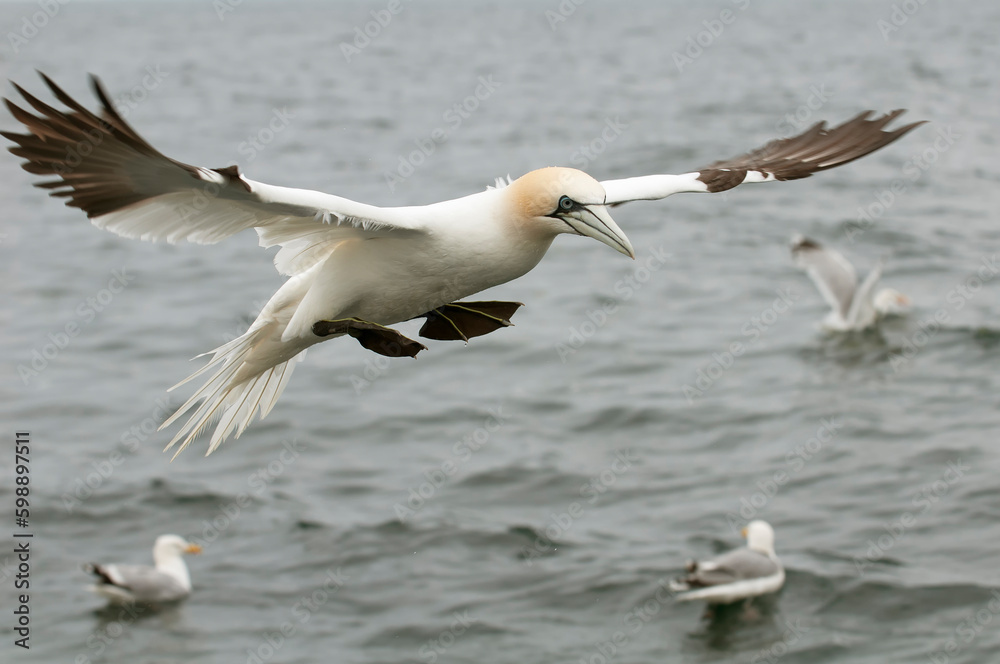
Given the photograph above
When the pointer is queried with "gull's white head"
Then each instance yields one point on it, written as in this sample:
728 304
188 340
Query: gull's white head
169 547
556 200
760 537
890 302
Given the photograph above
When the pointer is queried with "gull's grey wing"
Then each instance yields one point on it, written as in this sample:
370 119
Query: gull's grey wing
816 149
863 307
834 276
737 565
146 584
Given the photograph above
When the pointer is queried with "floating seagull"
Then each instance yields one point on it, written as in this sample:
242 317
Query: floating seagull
354 268
169 581
736 575
852 305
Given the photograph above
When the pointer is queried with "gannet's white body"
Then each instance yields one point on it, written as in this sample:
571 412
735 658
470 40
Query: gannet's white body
398 270
355 268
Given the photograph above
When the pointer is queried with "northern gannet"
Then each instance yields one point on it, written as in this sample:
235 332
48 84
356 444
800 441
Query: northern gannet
852 305
736 575
354 268
168 581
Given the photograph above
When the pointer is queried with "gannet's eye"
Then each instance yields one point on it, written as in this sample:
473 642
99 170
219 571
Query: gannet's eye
566 203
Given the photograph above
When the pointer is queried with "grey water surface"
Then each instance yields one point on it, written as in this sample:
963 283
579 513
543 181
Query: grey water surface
525 497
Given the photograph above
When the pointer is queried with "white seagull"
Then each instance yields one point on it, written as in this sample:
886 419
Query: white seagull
355 268
736 575
852 305
169 581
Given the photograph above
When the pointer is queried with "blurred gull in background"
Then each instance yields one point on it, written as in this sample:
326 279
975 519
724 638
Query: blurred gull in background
736 575
168 581
852 305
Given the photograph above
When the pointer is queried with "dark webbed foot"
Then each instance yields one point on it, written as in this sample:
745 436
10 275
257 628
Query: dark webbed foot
464 320
377 338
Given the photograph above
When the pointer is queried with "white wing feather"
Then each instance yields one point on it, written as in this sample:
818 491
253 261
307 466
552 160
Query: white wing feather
834 276
129 188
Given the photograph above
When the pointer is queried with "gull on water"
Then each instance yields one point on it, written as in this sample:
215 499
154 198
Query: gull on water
168 581
353 268
853 306
739 574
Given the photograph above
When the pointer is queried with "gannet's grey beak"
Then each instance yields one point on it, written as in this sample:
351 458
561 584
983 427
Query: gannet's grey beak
594 221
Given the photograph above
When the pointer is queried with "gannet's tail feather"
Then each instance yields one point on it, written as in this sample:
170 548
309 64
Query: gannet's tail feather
234 402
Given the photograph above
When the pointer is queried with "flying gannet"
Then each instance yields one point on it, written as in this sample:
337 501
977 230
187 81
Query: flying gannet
354 268
852 305
739 574
168 581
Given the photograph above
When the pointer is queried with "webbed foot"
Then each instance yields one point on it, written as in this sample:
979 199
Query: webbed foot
377 338
464 320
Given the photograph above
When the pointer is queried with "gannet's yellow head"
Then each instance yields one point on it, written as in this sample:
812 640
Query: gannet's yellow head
564 200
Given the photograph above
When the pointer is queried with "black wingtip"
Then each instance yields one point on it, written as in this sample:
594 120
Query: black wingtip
886 119
96 570
11 106
802 243
98 87
49 82
19 89
907 128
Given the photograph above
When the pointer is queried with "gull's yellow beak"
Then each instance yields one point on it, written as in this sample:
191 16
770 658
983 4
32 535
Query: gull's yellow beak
192 548
743 533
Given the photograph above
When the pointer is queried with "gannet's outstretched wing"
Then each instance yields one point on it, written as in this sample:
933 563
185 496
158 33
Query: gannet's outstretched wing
128 187
814 150
834 276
